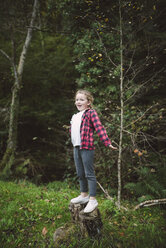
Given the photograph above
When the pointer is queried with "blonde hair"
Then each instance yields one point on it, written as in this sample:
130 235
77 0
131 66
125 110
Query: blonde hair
87 94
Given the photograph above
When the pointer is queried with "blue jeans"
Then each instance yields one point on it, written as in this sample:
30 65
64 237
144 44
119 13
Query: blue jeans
85 170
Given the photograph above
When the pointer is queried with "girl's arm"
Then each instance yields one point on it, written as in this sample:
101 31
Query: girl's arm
100 130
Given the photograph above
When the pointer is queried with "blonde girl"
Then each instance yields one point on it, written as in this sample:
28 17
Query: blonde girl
83 125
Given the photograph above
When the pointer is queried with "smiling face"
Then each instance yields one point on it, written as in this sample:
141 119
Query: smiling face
81 102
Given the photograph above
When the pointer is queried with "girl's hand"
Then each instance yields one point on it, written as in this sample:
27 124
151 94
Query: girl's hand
113 147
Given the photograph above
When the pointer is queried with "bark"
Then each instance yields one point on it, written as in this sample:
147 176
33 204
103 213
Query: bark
122 109
9 155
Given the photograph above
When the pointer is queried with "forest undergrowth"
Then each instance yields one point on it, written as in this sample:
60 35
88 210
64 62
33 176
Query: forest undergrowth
30 214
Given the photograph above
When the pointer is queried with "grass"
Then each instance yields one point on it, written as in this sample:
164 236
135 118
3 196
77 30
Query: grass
30 214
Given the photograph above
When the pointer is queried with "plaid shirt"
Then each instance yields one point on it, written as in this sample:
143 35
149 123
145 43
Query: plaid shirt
90 122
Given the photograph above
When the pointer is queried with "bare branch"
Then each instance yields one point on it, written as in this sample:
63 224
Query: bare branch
146 82
5 54
105 50
131 62
12 63
140 116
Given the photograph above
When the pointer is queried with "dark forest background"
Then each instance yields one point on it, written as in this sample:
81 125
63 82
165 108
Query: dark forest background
76 44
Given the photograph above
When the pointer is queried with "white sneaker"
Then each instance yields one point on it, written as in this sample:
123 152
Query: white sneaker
92 204
80 199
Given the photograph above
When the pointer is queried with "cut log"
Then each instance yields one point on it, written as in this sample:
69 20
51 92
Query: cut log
90 223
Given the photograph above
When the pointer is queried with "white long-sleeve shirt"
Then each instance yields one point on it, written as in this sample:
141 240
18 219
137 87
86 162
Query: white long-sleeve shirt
75 128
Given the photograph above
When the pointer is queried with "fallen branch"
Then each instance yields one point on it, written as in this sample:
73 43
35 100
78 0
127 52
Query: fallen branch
105 192
150 203
109 197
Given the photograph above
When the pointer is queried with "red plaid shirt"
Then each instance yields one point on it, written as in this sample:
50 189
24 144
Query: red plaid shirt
90 122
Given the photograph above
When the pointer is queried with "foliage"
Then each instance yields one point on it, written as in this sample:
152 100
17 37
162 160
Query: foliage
44 100
76 44
30 215
151 184
97 59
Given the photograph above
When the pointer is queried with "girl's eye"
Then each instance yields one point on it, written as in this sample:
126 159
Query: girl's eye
79 100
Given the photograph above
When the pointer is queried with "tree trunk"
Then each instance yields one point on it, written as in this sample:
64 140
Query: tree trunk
122 109
9 155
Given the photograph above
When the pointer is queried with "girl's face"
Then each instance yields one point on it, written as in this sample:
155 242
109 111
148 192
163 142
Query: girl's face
81 102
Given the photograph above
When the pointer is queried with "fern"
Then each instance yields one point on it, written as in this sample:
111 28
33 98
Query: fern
150 185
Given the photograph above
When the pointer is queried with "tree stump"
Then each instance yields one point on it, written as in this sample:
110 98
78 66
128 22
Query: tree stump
90 223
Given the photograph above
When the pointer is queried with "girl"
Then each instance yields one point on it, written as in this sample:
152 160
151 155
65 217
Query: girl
83 125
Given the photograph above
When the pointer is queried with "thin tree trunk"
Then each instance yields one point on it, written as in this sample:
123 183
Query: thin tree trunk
122 108
9 155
